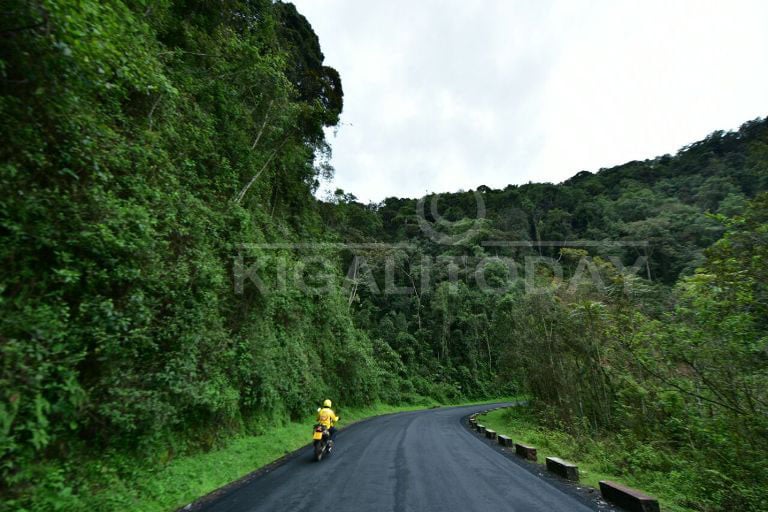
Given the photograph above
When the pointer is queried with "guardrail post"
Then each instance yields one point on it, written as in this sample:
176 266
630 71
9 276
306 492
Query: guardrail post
628 498
565 469
525 451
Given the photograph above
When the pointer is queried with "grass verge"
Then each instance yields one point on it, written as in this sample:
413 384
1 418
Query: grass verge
596 458
117 482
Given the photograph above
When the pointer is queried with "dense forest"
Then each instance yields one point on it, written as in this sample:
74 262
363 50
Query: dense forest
169 278
646 321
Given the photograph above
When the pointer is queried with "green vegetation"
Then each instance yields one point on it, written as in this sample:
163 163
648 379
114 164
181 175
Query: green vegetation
169 281
597 459
149 140
658 347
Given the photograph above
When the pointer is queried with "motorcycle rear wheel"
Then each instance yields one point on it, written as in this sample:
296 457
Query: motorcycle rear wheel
319 450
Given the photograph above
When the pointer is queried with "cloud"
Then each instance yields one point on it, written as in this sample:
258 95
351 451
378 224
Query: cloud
443 95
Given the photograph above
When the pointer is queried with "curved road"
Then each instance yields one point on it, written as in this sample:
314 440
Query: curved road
412 461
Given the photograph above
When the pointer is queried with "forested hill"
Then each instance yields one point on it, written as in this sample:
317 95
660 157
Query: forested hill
663 201
169 280
631 304
657 215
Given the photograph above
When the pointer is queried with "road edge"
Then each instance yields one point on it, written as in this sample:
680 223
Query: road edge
585 494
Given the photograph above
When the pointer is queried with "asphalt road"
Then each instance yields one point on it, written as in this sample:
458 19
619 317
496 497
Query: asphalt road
413 461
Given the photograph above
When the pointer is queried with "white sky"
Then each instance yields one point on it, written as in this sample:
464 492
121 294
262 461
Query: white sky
452 94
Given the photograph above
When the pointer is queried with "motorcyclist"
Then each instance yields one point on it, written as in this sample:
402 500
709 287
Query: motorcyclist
328 418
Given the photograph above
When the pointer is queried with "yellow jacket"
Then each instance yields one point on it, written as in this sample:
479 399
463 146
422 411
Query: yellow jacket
326 417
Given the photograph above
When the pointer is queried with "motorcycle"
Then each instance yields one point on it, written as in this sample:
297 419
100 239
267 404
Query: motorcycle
321 439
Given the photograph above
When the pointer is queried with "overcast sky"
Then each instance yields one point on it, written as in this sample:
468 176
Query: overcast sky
442 95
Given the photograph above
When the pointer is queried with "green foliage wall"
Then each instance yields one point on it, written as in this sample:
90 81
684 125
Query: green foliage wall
132 132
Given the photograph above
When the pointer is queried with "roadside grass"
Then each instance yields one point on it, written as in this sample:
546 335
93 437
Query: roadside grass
596 459
120 482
